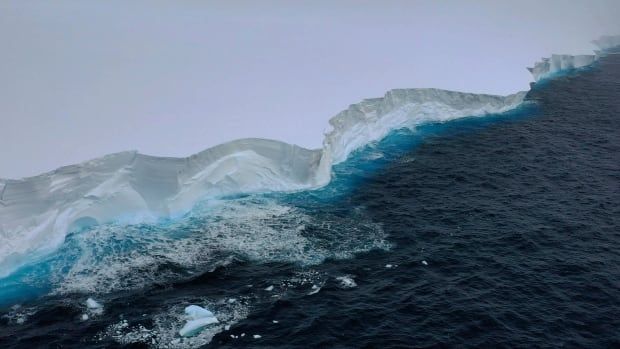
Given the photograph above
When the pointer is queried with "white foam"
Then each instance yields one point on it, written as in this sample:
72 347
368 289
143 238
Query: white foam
195 312
114 257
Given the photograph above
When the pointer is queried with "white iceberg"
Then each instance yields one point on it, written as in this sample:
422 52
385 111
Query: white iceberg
93 307
195 312
199 317
37 213
93 304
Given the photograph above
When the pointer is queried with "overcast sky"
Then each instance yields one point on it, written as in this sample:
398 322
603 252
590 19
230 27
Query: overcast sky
79 79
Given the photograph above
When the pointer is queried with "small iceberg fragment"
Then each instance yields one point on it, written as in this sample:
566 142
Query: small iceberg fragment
257 336
315 289
94 307
199 317
346 281
195 312
425 262
93 304
270 288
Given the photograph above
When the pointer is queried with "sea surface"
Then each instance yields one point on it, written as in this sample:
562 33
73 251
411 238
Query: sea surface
491 232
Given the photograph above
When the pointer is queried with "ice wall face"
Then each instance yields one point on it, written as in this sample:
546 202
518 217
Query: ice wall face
372 119
36 213
548 67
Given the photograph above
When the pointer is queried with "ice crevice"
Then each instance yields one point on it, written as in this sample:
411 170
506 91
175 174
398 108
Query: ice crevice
36 213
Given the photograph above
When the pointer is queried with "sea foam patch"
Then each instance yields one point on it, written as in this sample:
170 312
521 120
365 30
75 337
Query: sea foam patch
112 257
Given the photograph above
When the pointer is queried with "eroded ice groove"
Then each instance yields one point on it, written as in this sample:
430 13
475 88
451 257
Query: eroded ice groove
557 64
37 213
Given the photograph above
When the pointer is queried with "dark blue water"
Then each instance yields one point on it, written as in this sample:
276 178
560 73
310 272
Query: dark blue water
495 232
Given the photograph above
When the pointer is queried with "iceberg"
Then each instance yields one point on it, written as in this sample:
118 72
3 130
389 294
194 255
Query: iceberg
36 213
195 312
199 317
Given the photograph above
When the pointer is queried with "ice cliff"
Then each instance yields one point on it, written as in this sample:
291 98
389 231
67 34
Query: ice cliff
548 67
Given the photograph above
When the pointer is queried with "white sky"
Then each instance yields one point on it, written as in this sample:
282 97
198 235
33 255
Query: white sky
79 79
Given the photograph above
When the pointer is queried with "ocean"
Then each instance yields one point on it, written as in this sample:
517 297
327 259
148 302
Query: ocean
496 231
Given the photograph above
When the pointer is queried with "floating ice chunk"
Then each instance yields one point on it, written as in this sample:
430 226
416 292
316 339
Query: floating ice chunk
257 336
227 328
195 312
193 327
388 266
199 318
270 288
275 321
84 317
346 281
93 304
94 307
315 289
425 262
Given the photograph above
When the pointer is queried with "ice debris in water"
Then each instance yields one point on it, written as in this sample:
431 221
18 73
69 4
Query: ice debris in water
425 262
346 281
199 317
93 307
315 289
93 304
270 288
19 315
257 336
195 312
